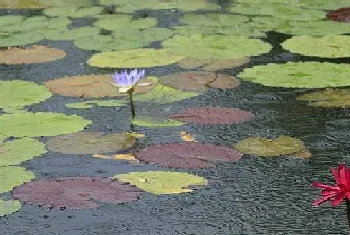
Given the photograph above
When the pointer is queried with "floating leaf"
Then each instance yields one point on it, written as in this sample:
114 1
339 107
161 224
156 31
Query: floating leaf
75 192
149 121
126 157
339 98
163 95
137 58
213 19
215 46
40 124
19 39
17 93
101 103
10 19
299 75
90 142
20 150
21 4
213 115
73 12
67 3
69 34
187 155
163 182
199 81
330 46
211 65
342 15
136 135
259 146
9 206
36 54
12 176
94 86
115 22
314 28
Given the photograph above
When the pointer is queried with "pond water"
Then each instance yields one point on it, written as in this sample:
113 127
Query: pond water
253 194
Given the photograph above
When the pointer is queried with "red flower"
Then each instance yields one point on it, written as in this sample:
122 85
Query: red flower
335 194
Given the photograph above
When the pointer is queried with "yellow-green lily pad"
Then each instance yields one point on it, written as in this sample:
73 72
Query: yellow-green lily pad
330 46
69 34
259 146
19 39
149 121
137 58
40 124
116 22
9 206
338 98
313 28
73 12
101 103
163 182
12 176
17 151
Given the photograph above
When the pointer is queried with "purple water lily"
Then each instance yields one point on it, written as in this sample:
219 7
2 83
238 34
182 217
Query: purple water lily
127 81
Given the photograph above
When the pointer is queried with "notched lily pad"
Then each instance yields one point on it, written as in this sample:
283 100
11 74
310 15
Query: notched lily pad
213 115
338 98
149 121
90 143
65 34
12 176
19 39
75 192
94 86
211 65
342 15
199 81
40 124
163 182
73 12
17 151
9 206
187 155
259 146
36 54
102 103
115 22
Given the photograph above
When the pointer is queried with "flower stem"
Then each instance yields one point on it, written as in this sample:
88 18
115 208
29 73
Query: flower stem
131 103
348 210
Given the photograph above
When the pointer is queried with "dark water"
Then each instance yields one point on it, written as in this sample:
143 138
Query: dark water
252 196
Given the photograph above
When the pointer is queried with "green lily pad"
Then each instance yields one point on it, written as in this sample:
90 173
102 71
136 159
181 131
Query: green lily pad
338 98
9 206
149 121
213 19
163 94
314 28
330 46
137 58
116 22
210 64
10 20
12 176
316 4
163 182
259 146
40 124
73 12
215 46
67 3
101 103
17 93
20 150
299 75
19 39
69 34
21 4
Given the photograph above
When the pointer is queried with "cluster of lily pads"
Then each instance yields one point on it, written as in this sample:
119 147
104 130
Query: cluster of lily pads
205 43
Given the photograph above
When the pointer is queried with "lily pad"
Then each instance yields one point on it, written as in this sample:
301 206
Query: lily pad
149 121
187 155
259 146
21 4
12 176
69 34
94 86
10 19
213 115
9 206
299 75
330 46
342 15
76 192
90 143
36 54
18 93
314 28
215 46
163 95
211 65
199 81
40 124
163 182
213 19
116 22
101 103
137 58
339 98
73 12
20 150
19 39
67 3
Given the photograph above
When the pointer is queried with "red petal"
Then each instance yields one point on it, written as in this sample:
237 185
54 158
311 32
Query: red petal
322 200
325 186
335 173
338 199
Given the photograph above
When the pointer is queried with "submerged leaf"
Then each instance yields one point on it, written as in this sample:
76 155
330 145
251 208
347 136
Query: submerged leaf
342 15
339 98
12 176
9 206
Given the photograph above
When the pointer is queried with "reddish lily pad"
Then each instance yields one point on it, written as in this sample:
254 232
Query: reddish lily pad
199 81
210 64
187 155
75 192
213 115
342 15
90 142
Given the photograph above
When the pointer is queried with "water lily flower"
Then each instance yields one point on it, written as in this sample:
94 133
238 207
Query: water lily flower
335 194
127 81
